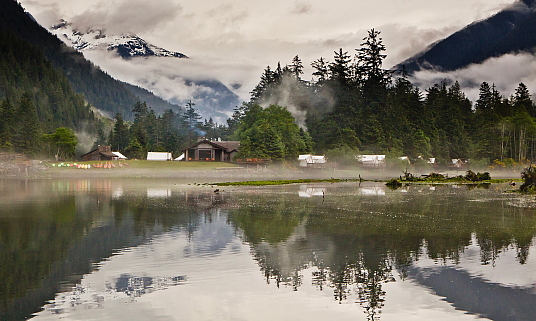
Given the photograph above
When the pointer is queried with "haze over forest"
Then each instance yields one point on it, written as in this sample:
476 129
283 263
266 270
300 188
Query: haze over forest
345 101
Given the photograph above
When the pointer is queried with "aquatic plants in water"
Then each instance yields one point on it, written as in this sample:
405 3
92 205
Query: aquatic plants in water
529 179
470 176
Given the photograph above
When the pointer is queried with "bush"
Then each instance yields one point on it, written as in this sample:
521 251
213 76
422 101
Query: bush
345 156
477 177
529 179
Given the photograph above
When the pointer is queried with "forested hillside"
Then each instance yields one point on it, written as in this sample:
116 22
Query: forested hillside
36 99
512 30
100 90
24 70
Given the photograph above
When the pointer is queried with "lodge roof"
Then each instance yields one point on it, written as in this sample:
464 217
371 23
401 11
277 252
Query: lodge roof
227 146
107 154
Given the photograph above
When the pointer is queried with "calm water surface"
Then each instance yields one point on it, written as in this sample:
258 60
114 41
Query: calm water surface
162 250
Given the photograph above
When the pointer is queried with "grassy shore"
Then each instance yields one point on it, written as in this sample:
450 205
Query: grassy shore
285 182
143 164
210 172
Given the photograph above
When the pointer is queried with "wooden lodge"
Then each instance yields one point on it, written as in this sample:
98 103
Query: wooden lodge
102 153
212 151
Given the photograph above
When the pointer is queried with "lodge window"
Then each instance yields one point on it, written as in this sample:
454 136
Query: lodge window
205 154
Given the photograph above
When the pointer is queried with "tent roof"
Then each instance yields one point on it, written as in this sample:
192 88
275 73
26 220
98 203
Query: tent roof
370 158
158 155
118 154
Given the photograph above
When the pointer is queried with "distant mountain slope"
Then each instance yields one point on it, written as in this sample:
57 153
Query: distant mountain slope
155 102
512 30
25 71
101 90
152 68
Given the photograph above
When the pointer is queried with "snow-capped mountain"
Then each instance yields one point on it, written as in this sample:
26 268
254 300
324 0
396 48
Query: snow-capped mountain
126 45
159 72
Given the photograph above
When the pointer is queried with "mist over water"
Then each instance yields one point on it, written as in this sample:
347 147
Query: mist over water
118 249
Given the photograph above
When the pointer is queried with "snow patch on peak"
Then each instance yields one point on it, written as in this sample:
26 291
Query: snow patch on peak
126 45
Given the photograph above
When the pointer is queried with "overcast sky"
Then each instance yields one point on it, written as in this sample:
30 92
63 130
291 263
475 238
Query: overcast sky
248 35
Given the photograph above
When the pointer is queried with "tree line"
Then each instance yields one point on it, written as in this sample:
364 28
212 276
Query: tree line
353 105
169 132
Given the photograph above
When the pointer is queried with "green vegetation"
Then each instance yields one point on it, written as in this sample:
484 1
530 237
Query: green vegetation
529 180
271 133
469 178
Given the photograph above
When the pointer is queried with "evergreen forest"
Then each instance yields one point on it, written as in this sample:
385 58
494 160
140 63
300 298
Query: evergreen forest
352 105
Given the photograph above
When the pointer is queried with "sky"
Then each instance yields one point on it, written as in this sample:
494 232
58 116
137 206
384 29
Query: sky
235 40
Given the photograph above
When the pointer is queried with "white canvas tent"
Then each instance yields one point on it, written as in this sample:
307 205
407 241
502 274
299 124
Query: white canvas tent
311 160
159 156
119 156
375 161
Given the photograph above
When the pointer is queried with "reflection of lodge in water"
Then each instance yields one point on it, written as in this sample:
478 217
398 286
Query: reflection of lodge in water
351 246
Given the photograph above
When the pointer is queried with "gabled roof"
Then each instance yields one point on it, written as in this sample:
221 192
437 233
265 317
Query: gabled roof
227 146
312 159
89 152
107 154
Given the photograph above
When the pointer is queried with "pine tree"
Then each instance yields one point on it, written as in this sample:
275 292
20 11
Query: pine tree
191 118
296 67
522 100
27 130
370 56
120 137
322 70
339 69
485 97
7 124
267 78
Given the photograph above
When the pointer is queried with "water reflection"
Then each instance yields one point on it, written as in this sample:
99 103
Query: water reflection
358 248
308 191
126 288
86 243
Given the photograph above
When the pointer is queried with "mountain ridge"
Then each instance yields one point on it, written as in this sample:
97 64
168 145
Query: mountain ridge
511 30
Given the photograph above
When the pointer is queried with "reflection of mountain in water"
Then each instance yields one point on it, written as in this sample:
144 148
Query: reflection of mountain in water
59 237
127 287
353 244
477 296
350 244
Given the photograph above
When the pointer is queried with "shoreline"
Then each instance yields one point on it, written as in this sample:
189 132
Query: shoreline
216 172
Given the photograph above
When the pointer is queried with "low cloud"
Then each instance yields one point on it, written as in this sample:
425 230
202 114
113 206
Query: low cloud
132 16
506 72
178 80
299 100
301 8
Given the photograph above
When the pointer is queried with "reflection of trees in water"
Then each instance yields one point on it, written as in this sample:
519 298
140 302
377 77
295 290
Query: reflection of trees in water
73 224
354 244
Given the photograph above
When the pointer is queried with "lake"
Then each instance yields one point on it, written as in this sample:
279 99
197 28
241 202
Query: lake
142 249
